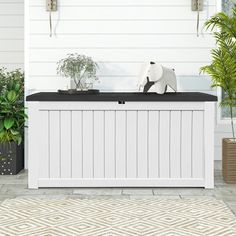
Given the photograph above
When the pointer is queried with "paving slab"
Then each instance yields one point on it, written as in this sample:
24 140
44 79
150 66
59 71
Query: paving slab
137 191
97 191
178 191
22 189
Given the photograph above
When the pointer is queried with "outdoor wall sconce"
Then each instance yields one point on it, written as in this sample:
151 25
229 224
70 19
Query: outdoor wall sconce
51 5
197 5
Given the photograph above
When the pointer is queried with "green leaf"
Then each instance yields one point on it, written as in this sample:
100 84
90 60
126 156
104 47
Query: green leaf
8 122
14 132
11 96
17 87
2 133
1 125
17 138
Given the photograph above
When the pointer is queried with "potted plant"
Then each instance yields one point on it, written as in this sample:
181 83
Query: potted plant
223 73
12 119
80 69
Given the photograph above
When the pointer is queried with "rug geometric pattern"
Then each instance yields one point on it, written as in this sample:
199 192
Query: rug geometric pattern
116 217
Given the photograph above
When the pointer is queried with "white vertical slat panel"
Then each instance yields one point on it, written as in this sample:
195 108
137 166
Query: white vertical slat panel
175 144
55 144
164 144
209 125
66 154
110 123
197 142
121 167
186 144
99 144
34 144
77 144
131 136
142 144
88 151
153 141
131 144
45 143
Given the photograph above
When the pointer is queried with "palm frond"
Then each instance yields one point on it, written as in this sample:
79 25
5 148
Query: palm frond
224 23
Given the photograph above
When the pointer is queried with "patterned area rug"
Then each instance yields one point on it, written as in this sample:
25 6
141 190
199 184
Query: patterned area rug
108 217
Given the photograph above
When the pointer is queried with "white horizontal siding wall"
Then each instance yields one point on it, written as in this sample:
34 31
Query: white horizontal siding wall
11 33
120 35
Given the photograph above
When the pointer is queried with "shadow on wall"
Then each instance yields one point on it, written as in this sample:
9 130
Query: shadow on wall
129 84
184 83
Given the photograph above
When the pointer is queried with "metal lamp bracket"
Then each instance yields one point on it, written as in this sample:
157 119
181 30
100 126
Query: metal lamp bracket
51 5
197 5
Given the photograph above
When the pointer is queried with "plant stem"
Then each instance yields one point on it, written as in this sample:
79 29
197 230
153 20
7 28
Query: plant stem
76 83
232 121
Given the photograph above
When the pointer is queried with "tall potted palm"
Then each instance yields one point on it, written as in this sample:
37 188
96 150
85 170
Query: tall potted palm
223 74
12 119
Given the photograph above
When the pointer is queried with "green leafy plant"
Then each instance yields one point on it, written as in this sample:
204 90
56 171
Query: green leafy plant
80 68
7 78
12 110
223 67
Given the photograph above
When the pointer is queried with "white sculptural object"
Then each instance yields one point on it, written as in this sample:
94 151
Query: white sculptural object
156 78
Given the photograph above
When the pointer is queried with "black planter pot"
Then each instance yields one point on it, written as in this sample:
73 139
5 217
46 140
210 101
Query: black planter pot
11 158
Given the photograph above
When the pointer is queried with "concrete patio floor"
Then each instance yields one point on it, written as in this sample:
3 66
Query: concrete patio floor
16 187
